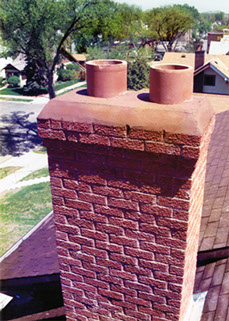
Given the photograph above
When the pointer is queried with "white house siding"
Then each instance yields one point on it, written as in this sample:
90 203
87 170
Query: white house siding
221 86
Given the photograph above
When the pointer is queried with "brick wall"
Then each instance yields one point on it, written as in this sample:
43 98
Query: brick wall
127 206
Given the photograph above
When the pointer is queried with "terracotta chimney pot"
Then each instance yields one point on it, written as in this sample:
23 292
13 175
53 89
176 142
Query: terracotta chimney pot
106 78
170 83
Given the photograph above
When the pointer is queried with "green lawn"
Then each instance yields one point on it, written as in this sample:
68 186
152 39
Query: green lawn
20 211
5 171
20 92
43 172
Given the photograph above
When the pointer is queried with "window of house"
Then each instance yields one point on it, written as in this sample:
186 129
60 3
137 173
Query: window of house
209 80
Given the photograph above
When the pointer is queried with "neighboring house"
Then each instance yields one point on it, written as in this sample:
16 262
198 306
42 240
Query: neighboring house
211 72
16 68
212 77
214 35
222 46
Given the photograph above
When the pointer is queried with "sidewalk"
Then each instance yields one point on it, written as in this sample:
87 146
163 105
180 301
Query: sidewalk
43 98
29 162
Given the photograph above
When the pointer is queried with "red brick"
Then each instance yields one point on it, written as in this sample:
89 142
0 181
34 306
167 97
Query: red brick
123 223
123 241
161 148
152 247
56 124
90 216
81 222
145 134
182 139
120 203
81 240
127 143
43 123
164 231
123 258
57 182
139 253
152 312
109 263
155 266
118 288
166 308
108 191
94 251
95 267
94 234
68 245
123 275
152 282
191 152
138 315
94 139
111 294
78 204
91 198
108 211
109 247
138 270
136 196
67 228
171 242
63 192
94 179
57 200
167 277
110 130
110 229
138 286
122 184
110 279
138 301
173 203
83 272
156 210
78 127
72 137
152 297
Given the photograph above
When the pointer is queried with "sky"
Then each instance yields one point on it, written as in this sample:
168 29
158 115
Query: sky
200 5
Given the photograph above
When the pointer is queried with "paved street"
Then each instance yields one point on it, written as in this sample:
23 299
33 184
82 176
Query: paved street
18 129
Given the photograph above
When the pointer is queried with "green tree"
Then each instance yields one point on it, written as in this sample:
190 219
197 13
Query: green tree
138 74
39 28
168 24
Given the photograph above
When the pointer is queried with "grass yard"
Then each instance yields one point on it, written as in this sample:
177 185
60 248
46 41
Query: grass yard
43 172
20 211
19 91
5 171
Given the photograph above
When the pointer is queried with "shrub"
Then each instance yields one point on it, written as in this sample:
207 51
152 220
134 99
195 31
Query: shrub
138 74
65 74
73 67
13 81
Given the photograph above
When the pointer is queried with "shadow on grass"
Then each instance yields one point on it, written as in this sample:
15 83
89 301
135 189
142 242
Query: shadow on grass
17 134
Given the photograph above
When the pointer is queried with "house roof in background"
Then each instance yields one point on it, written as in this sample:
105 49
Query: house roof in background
189 58
217 66
219 47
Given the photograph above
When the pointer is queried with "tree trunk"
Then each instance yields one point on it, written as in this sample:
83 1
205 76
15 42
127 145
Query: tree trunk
51 90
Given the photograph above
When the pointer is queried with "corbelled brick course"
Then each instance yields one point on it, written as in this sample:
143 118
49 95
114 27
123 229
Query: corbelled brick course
127 205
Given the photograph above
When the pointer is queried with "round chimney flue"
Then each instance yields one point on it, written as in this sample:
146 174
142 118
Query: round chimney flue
106 78
170 83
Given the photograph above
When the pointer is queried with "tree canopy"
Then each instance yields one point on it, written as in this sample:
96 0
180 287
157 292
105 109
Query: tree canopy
168 24
39 28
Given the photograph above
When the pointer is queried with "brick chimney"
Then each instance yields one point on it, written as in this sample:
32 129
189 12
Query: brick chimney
199 58
127 179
